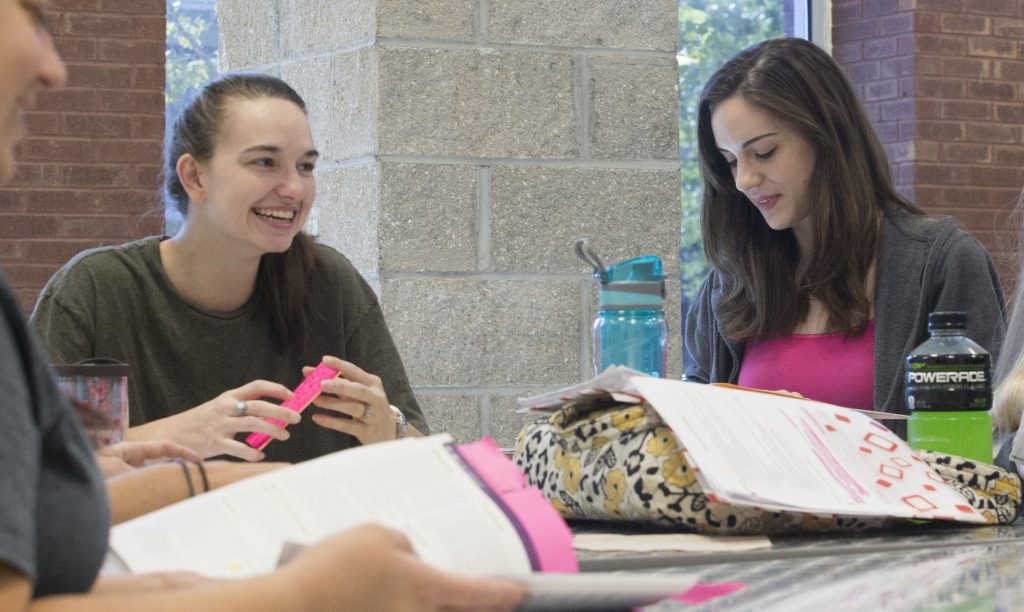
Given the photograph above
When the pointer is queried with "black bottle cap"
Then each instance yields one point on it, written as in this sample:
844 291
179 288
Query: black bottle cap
947 320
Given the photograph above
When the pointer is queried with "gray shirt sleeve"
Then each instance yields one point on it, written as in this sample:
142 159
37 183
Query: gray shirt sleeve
966 280
54 514
20 456
698 336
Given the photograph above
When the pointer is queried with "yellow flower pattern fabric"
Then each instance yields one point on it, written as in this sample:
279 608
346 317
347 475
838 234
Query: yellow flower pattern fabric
615 492
569 466
599 459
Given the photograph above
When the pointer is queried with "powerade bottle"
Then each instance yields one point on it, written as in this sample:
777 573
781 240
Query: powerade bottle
630 327
949 391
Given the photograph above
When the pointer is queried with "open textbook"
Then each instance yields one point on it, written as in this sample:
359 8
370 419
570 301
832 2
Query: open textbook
465 509
778 452
785 453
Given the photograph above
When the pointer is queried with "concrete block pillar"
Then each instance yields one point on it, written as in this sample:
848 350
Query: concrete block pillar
465 144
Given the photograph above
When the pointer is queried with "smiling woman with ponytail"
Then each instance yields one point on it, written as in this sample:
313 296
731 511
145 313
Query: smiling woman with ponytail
241 299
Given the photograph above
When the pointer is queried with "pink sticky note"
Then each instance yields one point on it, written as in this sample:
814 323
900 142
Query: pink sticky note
304 395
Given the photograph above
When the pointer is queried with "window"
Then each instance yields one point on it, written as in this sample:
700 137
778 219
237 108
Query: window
710 32
192 49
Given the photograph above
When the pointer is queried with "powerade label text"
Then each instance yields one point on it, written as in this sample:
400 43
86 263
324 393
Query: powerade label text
947 377
948 382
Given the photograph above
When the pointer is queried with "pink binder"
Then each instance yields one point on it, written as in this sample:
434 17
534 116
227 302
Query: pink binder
545 535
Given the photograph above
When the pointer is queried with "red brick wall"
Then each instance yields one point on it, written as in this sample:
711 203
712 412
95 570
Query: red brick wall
944 84
89 169
866 39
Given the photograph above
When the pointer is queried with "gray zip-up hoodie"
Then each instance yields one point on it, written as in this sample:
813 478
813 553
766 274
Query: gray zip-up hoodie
925 264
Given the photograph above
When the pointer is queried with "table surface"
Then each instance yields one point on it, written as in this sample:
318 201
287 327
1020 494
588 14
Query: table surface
911 537
920 567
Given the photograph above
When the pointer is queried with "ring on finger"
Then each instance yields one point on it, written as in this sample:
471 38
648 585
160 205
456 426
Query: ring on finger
367 412
241 407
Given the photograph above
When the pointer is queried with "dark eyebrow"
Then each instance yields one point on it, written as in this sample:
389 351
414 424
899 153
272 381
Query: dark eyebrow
751 141
273 149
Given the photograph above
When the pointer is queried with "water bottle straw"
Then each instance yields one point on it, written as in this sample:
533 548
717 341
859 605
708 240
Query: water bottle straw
584 252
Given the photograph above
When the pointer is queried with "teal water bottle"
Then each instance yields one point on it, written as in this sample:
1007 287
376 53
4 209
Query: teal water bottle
949 391
629 328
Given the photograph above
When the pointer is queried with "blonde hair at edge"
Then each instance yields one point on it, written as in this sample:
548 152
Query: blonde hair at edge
1008 400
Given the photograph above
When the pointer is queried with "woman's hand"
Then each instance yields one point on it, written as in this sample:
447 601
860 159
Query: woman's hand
360 397
126 456
381 572
209 428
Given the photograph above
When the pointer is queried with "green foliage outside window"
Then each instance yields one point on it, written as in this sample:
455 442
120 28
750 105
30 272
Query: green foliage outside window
710 32
191 51
191 61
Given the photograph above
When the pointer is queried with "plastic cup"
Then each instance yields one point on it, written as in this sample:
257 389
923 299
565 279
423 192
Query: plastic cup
99 387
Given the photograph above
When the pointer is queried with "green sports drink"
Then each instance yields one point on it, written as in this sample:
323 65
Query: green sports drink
949 391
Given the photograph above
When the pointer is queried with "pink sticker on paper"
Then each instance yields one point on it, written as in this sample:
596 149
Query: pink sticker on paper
304 395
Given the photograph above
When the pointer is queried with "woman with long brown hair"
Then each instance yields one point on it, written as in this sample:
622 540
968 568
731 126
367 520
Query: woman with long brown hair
822 274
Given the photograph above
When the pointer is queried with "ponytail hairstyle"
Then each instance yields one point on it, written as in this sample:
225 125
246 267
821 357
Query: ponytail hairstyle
766 293
282 277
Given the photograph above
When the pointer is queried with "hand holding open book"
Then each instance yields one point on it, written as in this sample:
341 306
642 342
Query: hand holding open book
465 509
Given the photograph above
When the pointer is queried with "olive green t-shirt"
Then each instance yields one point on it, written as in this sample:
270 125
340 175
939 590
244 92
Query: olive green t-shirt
117 302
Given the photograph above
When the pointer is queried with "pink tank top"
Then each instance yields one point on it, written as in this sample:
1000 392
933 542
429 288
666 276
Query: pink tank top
824 367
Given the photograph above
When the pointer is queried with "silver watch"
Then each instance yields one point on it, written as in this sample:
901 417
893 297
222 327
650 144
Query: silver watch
401 423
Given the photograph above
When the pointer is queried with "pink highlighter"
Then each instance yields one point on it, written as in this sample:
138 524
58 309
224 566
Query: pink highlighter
304 395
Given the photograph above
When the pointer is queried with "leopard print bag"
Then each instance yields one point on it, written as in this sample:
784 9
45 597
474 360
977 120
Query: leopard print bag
595 458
